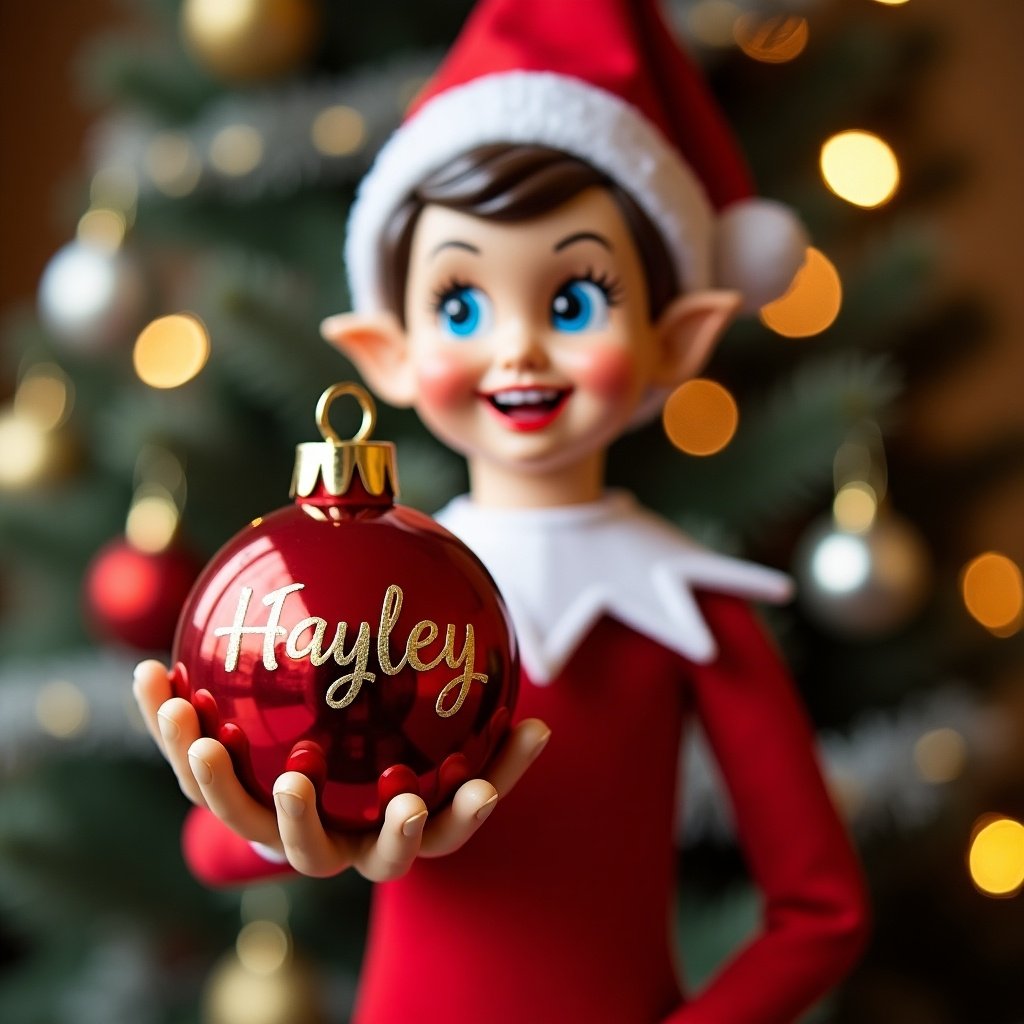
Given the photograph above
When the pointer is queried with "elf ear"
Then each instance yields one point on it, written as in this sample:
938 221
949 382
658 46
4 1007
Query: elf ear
377 345
687 331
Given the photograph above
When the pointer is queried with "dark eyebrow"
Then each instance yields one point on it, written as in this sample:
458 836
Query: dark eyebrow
583 236
455 244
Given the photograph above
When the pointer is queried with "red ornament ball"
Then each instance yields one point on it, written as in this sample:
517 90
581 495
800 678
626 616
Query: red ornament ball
351 639
134 597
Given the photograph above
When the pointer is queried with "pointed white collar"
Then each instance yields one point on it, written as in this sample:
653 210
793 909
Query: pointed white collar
560 569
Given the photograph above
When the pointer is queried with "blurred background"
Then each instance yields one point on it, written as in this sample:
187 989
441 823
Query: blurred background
174 189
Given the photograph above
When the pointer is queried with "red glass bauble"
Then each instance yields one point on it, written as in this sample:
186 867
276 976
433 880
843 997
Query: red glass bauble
352 639
134 596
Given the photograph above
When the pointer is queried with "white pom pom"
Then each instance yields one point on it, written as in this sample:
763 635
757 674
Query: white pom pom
760 245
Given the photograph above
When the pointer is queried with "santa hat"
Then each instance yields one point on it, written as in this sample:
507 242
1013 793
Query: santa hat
604 81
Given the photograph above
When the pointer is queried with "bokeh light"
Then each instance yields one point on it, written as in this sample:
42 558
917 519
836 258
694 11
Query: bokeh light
24 451
700 417
711 22
811 303
61 709
236 149
855 507
152 520
772 40
45 395
892 3
173 164
860 168
171 350
940 755
841 563
102 228
263 947
338 130
996 857
115 187
993 592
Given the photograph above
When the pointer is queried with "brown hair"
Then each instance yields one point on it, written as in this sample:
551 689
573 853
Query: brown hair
510 183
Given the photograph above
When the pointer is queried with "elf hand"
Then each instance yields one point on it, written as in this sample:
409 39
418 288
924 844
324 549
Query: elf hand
206 776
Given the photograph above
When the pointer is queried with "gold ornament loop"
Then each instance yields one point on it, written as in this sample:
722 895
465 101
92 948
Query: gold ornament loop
361 395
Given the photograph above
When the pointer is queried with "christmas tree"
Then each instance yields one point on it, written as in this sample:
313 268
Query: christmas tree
173 364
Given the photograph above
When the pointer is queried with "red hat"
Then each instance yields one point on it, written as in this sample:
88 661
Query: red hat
604 81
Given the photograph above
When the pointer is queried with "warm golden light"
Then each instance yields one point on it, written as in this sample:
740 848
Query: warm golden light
263 947
173 164
102 229
45 396
171 350
892 3
152 520
338 130
771 40
940 755
236 149
711 22
700 417
996 857
812 302
115 188
23 450
993 592
61 709
860 168
855 507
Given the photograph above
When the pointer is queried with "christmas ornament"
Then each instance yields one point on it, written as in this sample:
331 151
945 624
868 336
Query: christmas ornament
134 596
250 40
349 638
864 584
92 297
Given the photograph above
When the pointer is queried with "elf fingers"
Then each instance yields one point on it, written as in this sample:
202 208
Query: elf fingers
179 728
521 748
213 771
152 688
391 854
308 847
454 826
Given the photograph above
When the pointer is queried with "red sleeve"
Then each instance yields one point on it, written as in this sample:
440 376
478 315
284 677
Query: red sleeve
218 857
816 914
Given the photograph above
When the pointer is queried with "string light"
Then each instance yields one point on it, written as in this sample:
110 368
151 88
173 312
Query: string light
993 592
61 709
812 302
338 130
171 350
102 228
860 167
996 857
771 40
940 755
152 520
24 452
855 507
236 149
173 164
45 396
700 417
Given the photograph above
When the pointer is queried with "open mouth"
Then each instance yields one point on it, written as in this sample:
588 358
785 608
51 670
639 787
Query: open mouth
527 408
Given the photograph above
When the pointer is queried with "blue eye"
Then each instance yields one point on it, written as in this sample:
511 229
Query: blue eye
580 305
463 311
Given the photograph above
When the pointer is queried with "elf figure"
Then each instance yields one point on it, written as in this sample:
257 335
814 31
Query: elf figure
554 240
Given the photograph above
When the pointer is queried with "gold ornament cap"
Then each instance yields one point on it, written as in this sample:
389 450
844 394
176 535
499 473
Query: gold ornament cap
328 469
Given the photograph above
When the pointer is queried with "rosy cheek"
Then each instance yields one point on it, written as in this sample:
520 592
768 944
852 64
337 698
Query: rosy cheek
446 378
604 370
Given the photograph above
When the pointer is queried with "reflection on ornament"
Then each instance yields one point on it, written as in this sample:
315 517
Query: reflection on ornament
236 150
173 164
45 396
711 22
61 709
996 856
862 584
338 130
91 298
250 40
700 417
993 592
860 167
102 228
772 40
811 303
171 350
940 755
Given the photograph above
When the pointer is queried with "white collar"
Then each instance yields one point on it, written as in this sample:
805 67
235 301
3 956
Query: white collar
560 569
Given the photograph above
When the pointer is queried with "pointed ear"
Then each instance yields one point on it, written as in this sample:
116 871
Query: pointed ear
377 345
687 331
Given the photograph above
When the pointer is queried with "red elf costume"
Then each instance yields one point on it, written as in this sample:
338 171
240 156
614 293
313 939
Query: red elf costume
559 909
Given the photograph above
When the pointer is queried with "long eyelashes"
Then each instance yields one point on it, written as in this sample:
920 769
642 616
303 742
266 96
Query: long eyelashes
610 286
440 295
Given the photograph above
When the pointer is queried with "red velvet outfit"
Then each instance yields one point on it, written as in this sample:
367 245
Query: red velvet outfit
558 910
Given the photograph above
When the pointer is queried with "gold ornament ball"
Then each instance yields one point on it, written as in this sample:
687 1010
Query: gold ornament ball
243 41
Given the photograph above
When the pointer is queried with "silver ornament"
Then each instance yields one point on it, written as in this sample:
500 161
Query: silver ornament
863 585
91 297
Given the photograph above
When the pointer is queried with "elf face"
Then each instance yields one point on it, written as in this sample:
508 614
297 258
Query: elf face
528 346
